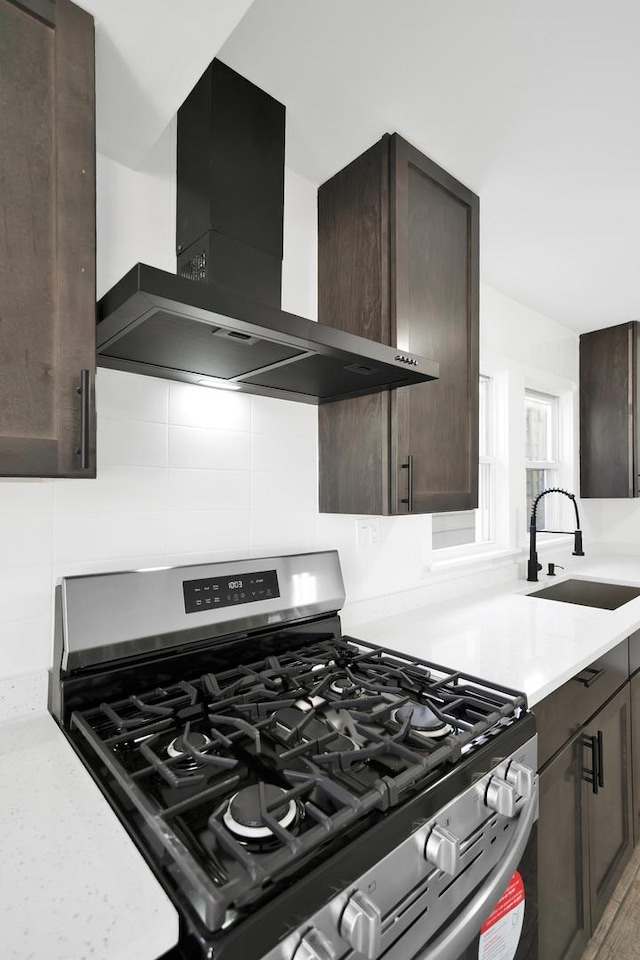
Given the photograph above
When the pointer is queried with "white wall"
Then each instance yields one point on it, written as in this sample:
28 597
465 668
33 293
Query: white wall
186 473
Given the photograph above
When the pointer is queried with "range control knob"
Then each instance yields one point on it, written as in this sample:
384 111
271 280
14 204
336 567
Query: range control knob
314 946
501 797
521 777
360 925
442 849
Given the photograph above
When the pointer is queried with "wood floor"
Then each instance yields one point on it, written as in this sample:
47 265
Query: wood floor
617 936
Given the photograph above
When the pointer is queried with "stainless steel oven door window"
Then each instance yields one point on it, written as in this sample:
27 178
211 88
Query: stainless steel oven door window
429 898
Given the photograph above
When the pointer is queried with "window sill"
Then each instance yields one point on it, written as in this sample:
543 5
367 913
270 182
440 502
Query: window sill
552 540
486 555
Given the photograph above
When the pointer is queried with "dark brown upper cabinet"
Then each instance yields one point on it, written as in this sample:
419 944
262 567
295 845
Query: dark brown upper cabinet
609 412
47 240
398 262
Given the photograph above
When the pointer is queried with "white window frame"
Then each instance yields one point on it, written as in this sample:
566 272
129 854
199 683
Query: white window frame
551 463
562 455
485 514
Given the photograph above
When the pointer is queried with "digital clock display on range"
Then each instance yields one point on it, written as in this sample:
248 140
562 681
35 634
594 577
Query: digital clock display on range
200 595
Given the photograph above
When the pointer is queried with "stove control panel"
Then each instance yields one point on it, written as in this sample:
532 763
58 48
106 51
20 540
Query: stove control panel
200 595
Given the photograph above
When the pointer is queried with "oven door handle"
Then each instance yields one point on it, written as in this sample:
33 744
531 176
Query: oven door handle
456 938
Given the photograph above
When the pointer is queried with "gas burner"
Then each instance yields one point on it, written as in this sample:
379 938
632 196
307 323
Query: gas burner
345 688
423 720
245 813
305 704
196 741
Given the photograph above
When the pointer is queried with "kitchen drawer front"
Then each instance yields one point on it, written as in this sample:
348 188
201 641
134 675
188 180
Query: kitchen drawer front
563 712
634 653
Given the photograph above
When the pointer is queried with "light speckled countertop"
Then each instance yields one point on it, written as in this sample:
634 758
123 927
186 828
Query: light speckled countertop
527 643
72 884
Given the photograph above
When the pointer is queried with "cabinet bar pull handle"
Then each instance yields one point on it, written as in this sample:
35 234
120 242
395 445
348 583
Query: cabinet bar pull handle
600 739
594 675
84 390
593 776
408 466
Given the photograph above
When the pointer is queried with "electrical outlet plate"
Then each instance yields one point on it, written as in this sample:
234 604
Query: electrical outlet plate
368 533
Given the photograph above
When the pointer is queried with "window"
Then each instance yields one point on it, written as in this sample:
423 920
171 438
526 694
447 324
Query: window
474 526
542 455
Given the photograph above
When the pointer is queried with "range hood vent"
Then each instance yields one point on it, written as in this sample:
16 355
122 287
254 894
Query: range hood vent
219 322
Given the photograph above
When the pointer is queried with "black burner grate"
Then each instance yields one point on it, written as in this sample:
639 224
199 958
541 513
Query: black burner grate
328 726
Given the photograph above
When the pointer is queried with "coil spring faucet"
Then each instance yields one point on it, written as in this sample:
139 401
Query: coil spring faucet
533 566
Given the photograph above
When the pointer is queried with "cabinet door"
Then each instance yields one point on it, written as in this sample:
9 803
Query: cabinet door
610 822
435 314
353 295
47 244
634 688
563 902
398 263
608 404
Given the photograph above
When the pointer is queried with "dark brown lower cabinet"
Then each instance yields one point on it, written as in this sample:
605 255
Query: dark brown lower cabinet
609 821
585 828
562 873
634 686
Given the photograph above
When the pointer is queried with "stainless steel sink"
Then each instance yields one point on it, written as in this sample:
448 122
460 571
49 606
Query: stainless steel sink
589 593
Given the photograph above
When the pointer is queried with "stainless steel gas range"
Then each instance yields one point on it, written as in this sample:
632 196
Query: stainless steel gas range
301 795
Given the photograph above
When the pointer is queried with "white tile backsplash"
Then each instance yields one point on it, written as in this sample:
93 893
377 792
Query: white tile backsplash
174 486
282 417
25 592
118 488
25 538
208 531
84 536
131 443
286 451
284 491
209 489
202 449
26 645
34 496
192 406
125 396
270 527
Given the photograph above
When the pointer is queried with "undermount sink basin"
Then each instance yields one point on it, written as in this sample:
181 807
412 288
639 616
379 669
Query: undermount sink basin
589 593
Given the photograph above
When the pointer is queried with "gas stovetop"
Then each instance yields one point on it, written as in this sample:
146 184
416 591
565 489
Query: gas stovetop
241 762
243 774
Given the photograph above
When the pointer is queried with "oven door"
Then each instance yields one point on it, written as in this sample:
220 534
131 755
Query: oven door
461 887
509 932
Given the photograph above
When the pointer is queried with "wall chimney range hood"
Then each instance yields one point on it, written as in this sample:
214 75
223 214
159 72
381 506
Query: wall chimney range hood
220 322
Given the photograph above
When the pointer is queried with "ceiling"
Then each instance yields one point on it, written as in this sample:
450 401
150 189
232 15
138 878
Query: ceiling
532 105
149 54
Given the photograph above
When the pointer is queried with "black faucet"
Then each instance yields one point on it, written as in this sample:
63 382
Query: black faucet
533 566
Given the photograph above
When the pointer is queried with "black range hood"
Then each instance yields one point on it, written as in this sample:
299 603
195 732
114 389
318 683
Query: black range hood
156 323
220 321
